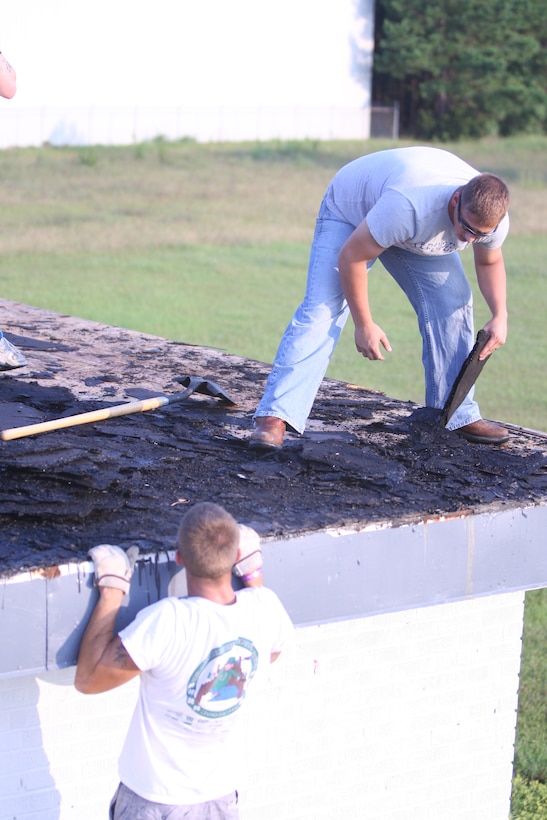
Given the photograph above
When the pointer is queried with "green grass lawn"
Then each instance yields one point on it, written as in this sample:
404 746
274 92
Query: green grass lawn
530 782
240 298
531 751
208 244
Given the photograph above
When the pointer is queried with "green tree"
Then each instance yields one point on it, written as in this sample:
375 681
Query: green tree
462 68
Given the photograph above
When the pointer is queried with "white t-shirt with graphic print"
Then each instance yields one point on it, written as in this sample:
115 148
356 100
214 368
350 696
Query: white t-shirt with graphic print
404 193
197 659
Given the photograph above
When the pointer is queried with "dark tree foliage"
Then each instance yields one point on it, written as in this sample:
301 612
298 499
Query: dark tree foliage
462 68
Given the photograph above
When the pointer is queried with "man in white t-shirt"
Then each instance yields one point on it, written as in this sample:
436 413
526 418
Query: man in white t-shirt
414 209
197 657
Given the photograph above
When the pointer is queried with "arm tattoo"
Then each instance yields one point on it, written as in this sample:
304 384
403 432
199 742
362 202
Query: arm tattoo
121 656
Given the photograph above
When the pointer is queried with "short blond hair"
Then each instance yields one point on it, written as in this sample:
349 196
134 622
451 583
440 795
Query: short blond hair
208 540
486 196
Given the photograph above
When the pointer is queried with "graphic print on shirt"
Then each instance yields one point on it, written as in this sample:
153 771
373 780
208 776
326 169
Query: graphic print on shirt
436 246
218 685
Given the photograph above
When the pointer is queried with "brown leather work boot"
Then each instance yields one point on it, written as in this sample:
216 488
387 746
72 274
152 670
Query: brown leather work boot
268 433
483 432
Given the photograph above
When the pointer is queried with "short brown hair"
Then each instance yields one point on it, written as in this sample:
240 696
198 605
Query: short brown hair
486 196
208 540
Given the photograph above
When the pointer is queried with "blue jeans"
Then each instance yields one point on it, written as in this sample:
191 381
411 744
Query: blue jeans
437 289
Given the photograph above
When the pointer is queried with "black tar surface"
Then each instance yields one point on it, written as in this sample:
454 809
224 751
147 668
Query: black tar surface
365 458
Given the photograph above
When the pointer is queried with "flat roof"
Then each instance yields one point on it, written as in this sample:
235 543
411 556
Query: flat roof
365 459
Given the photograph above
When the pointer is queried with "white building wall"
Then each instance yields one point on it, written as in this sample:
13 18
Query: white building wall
211 70
403 716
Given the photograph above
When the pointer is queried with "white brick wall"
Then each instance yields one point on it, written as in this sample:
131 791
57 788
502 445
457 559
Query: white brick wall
404 716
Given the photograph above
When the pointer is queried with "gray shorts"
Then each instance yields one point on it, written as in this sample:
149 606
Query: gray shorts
126 805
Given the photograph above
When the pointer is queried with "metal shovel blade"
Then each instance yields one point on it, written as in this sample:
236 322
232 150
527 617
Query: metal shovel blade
205 387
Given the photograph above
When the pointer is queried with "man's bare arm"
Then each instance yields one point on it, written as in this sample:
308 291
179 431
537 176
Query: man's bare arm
360 249
492 281
8 79
103 662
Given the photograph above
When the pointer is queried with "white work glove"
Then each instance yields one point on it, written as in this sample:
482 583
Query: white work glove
113 566
250 560
177 587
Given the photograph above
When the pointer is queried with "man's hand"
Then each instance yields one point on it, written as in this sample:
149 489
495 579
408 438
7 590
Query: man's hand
497 331
368 340
113 566
248 567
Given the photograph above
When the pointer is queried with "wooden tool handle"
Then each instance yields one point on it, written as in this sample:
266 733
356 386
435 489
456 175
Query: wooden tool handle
85 418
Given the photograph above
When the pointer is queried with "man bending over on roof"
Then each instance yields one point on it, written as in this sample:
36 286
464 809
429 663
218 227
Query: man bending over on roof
414 209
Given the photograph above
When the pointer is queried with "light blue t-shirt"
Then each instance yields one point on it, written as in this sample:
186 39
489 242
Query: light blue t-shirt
404 193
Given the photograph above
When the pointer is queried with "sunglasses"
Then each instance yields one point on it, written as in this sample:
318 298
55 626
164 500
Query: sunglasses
467 227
